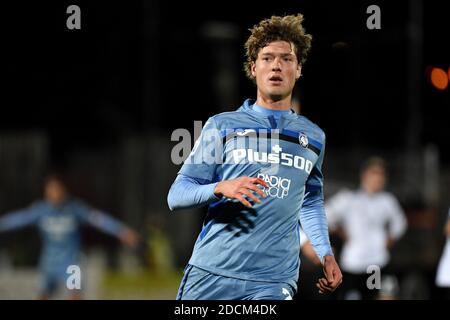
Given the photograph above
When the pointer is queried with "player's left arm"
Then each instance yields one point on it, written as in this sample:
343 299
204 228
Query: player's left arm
397 221
21 218
314 223
108 224
307 249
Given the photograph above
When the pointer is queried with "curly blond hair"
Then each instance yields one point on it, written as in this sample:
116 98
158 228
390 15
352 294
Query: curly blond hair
287 28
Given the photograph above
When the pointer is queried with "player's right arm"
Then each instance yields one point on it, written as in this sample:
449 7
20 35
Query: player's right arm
240 189
196 183
187 192
20 218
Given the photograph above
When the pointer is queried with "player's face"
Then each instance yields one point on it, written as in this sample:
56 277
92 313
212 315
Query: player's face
374 179
276 69
55 192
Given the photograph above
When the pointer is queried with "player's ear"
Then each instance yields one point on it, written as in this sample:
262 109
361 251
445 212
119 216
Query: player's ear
298 73
253 68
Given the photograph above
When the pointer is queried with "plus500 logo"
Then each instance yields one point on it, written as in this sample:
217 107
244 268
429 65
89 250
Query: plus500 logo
285 159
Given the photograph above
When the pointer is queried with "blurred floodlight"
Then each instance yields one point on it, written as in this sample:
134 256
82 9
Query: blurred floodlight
439 78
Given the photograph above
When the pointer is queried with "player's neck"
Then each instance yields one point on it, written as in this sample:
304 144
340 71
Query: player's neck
369 190
57 202
268 103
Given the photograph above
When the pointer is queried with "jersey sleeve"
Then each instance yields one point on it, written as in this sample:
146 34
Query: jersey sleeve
100 220
187 192
20 218
312 215
206 155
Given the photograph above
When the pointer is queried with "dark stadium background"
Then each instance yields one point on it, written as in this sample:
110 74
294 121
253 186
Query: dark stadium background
101 103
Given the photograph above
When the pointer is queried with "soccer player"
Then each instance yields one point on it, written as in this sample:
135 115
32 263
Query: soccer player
59 217
259 183
370 221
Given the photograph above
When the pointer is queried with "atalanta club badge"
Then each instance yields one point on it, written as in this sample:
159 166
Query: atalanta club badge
303 140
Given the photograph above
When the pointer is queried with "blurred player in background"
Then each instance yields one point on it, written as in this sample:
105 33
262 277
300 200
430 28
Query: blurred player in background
259 184
443 271
369 220
59 217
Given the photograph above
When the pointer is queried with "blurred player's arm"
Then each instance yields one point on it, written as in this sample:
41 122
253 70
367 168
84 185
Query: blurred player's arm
335 209
107 224
397 222
20 218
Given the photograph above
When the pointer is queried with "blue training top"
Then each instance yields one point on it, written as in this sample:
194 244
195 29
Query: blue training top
262 243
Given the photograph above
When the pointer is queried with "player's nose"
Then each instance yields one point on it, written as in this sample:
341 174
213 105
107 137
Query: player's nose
276 65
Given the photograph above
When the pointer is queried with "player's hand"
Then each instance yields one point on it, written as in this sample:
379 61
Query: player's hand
333 276
129 237
240 187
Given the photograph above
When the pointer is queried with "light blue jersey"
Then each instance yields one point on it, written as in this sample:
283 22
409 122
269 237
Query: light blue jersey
260 243
59 228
